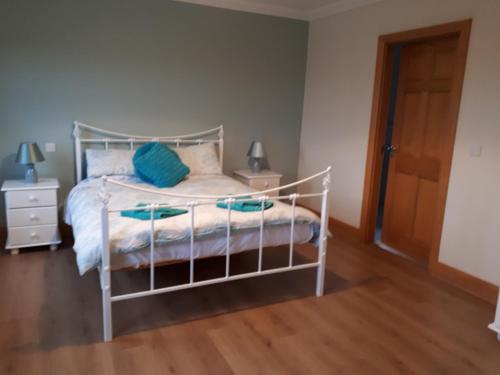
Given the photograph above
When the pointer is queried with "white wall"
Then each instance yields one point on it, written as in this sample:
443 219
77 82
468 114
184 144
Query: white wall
339 90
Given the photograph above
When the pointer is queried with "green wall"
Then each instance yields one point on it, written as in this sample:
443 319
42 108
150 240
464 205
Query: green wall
149 67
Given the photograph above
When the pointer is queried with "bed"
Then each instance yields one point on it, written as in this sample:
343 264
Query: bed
107 241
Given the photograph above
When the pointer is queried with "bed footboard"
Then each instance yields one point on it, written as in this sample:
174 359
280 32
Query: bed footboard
197 201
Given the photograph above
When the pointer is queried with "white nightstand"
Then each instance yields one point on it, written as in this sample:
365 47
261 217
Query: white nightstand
31 211
263 180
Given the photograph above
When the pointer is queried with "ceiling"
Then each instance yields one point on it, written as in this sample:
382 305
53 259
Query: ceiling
306 5
299 9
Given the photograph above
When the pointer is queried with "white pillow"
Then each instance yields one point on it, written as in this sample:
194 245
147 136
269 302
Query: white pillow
201 159
109 162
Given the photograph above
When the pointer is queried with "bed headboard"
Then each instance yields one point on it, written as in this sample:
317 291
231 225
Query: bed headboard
107 138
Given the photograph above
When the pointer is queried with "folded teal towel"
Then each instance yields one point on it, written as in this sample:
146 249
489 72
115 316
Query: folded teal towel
245 206
159 213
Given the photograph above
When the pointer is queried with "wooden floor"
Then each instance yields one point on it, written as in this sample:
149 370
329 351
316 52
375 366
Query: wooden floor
380 315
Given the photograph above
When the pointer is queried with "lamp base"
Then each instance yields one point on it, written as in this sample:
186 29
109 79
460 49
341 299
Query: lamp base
31 177
255 165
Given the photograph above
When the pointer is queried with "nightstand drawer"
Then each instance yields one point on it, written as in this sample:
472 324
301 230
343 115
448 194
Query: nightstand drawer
263 180
264 183
40 234
30 198
22 217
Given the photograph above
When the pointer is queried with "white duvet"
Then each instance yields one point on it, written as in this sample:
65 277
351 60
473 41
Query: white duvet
126 234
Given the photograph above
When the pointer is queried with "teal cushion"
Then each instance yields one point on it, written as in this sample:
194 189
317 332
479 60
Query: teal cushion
159 165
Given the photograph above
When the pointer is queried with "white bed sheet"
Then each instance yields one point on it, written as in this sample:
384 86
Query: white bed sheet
240 241
129 236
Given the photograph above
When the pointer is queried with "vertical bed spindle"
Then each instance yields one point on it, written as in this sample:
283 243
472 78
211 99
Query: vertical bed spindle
191 247
229 202
152 248
261 233
293 198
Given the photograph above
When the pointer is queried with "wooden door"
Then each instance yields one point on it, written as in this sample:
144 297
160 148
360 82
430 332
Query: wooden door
423 137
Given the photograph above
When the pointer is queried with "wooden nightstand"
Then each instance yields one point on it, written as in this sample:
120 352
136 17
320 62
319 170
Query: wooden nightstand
31 211
263 180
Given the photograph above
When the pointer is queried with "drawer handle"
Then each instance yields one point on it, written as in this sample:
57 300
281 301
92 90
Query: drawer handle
33 217
266 184
32 198
34 235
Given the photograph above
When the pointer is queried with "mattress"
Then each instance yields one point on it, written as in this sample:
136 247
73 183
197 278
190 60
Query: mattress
130 238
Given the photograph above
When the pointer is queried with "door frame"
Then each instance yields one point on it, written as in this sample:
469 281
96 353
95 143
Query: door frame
378 123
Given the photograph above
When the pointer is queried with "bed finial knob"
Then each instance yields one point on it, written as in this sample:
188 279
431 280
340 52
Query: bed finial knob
221 131
326 179
76 129
103 192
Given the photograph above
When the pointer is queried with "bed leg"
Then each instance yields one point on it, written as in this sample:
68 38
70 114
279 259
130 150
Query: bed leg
320 275
323 236
107 321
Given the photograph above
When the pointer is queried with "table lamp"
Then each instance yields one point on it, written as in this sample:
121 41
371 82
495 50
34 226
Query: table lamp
256 155
29 154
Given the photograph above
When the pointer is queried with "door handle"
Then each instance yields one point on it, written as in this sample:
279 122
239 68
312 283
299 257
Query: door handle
391 149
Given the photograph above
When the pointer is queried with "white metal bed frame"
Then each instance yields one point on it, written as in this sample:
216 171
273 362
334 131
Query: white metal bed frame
194 201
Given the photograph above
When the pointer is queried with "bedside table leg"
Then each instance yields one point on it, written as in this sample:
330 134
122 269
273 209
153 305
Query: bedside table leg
14 251
53 247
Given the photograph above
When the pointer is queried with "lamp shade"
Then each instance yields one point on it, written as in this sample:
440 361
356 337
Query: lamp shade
256 150
29 153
